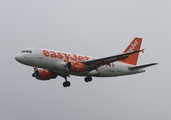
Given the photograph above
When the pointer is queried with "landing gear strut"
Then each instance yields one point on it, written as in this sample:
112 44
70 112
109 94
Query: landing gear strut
88 79
66 83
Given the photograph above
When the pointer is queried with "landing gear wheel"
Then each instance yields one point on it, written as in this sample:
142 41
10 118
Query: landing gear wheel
66 84
88 79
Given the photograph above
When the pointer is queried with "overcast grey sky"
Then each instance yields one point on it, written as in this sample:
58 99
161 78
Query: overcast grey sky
91 27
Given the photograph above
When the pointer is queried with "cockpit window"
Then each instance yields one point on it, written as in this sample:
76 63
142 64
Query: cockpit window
26 51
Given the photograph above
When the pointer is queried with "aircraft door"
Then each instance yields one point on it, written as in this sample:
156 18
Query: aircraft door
118 67
40 54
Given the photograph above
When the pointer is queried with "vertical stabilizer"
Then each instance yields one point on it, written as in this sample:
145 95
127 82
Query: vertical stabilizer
134 45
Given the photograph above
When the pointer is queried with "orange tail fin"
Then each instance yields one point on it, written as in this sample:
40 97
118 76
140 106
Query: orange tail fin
134 45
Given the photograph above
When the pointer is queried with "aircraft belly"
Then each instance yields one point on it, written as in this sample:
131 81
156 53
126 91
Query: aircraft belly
105 72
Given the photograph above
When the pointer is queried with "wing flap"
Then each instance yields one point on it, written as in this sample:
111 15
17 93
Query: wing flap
142 66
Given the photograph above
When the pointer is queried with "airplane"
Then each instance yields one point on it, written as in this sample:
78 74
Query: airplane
48 64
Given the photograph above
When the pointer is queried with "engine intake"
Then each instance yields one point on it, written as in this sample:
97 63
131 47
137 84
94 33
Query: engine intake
75 66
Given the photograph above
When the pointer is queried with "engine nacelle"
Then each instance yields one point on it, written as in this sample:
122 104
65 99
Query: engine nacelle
43 74
75 66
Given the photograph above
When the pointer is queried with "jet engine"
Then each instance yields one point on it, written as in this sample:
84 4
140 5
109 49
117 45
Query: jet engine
43 74
75 66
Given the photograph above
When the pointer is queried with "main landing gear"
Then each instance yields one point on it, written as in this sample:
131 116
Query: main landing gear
88 79
66 83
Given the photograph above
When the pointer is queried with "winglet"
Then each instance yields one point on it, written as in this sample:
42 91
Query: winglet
142 50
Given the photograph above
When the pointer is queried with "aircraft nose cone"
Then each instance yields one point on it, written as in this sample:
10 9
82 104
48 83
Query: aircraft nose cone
18 57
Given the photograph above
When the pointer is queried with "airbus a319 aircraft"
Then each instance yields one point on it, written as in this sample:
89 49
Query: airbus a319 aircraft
48 64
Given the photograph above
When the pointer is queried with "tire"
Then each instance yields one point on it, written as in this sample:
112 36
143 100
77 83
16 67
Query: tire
66 84
88 79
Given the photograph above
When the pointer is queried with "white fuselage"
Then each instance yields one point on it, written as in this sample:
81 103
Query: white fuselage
56 62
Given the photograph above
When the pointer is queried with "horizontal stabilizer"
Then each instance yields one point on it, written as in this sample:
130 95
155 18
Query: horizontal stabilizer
142 66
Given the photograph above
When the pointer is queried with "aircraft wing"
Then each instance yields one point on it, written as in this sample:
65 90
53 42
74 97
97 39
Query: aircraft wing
93 64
